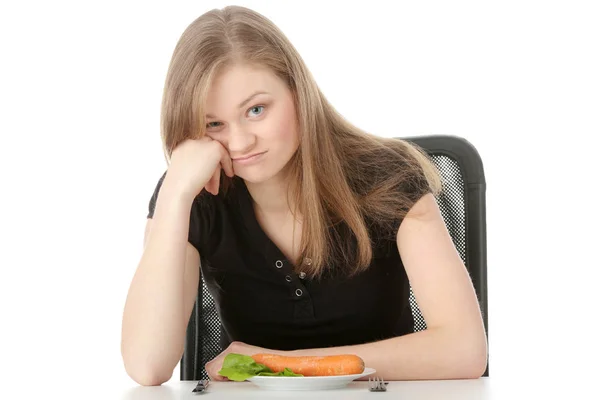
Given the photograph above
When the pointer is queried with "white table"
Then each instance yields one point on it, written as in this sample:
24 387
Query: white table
475 389
478 389
515 388
508 388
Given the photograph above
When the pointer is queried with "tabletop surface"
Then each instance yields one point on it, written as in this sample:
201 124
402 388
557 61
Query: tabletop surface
506 387
480 389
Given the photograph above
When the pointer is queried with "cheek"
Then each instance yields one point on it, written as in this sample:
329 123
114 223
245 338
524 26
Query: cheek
286 129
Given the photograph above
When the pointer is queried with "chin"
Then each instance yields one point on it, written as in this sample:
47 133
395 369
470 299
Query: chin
255 176
263 172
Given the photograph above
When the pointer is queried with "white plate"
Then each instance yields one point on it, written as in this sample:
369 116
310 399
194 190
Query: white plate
306 382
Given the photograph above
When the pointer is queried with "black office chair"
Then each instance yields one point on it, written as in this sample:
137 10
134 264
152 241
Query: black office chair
463 206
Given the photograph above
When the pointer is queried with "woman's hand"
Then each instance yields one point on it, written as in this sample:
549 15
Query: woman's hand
214 366
196 164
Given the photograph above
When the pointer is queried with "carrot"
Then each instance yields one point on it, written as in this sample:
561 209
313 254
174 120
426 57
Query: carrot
342 364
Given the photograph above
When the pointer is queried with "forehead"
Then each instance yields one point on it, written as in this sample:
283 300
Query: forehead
235 83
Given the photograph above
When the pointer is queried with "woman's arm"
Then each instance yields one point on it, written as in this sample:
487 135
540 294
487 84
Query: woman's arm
162 292
454 346
435 353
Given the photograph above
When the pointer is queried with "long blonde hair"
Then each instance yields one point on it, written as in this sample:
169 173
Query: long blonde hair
348 185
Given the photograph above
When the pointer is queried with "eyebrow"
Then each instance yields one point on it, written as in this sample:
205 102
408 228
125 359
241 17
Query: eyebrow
243 103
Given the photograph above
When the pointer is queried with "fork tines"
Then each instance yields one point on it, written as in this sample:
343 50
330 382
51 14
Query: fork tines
377 384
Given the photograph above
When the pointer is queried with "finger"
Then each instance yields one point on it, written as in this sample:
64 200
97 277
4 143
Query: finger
212 185
218 378
216 179
214 375
209 186
228 168
227 164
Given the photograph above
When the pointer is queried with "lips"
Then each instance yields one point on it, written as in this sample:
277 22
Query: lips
253 159
249 158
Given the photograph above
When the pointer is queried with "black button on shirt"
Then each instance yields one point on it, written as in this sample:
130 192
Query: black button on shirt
263 302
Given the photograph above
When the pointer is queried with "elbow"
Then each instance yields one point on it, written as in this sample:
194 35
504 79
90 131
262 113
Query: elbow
151 379
474 368
146 373
148 376
145 367
473 360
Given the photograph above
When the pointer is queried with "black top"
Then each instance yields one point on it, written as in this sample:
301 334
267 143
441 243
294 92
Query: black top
261 300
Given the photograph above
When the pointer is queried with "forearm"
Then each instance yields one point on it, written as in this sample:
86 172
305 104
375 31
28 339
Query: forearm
429 354
154 319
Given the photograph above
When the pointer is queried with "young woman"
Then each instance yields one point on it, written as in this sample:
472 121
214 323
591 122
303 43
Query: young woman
306 229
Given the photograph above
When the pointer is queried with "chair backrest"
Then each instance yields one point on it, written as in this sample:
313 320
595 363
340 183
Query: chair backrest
463 206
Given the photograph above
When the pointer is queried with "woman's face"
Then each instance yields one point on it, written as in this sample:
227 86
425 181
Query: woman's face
251 112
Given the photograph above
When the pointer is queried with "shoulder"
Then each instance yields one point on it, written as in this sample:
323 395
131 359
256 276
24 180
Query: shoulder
388 182
394 165
394 175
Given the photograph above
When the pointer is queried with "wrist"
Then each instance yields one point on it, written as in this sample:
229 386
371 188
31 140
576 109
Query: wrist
173 203
175 191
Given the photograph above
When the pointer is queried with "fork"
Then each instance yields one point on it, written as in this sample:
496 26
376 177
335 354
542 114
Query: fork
377 385
201 386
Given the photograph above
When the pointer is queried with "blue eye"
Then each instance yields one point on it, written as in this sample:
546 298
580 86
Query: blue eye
257 110
213 125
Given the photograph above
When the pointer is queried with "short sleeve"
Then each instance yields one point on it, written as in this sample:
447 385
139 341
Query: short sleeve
202 218
413 187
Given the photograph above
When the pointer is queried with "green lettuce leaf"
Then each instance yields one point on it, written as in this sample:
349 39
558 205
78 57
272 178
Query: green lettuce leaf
238 367
285 372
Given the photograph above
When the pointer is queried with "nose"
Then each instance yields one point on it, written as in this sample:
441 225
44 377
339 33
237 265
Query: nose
240 141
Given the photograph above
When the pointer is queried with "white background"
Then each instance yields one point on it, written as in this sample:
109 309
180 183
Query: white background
80 88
